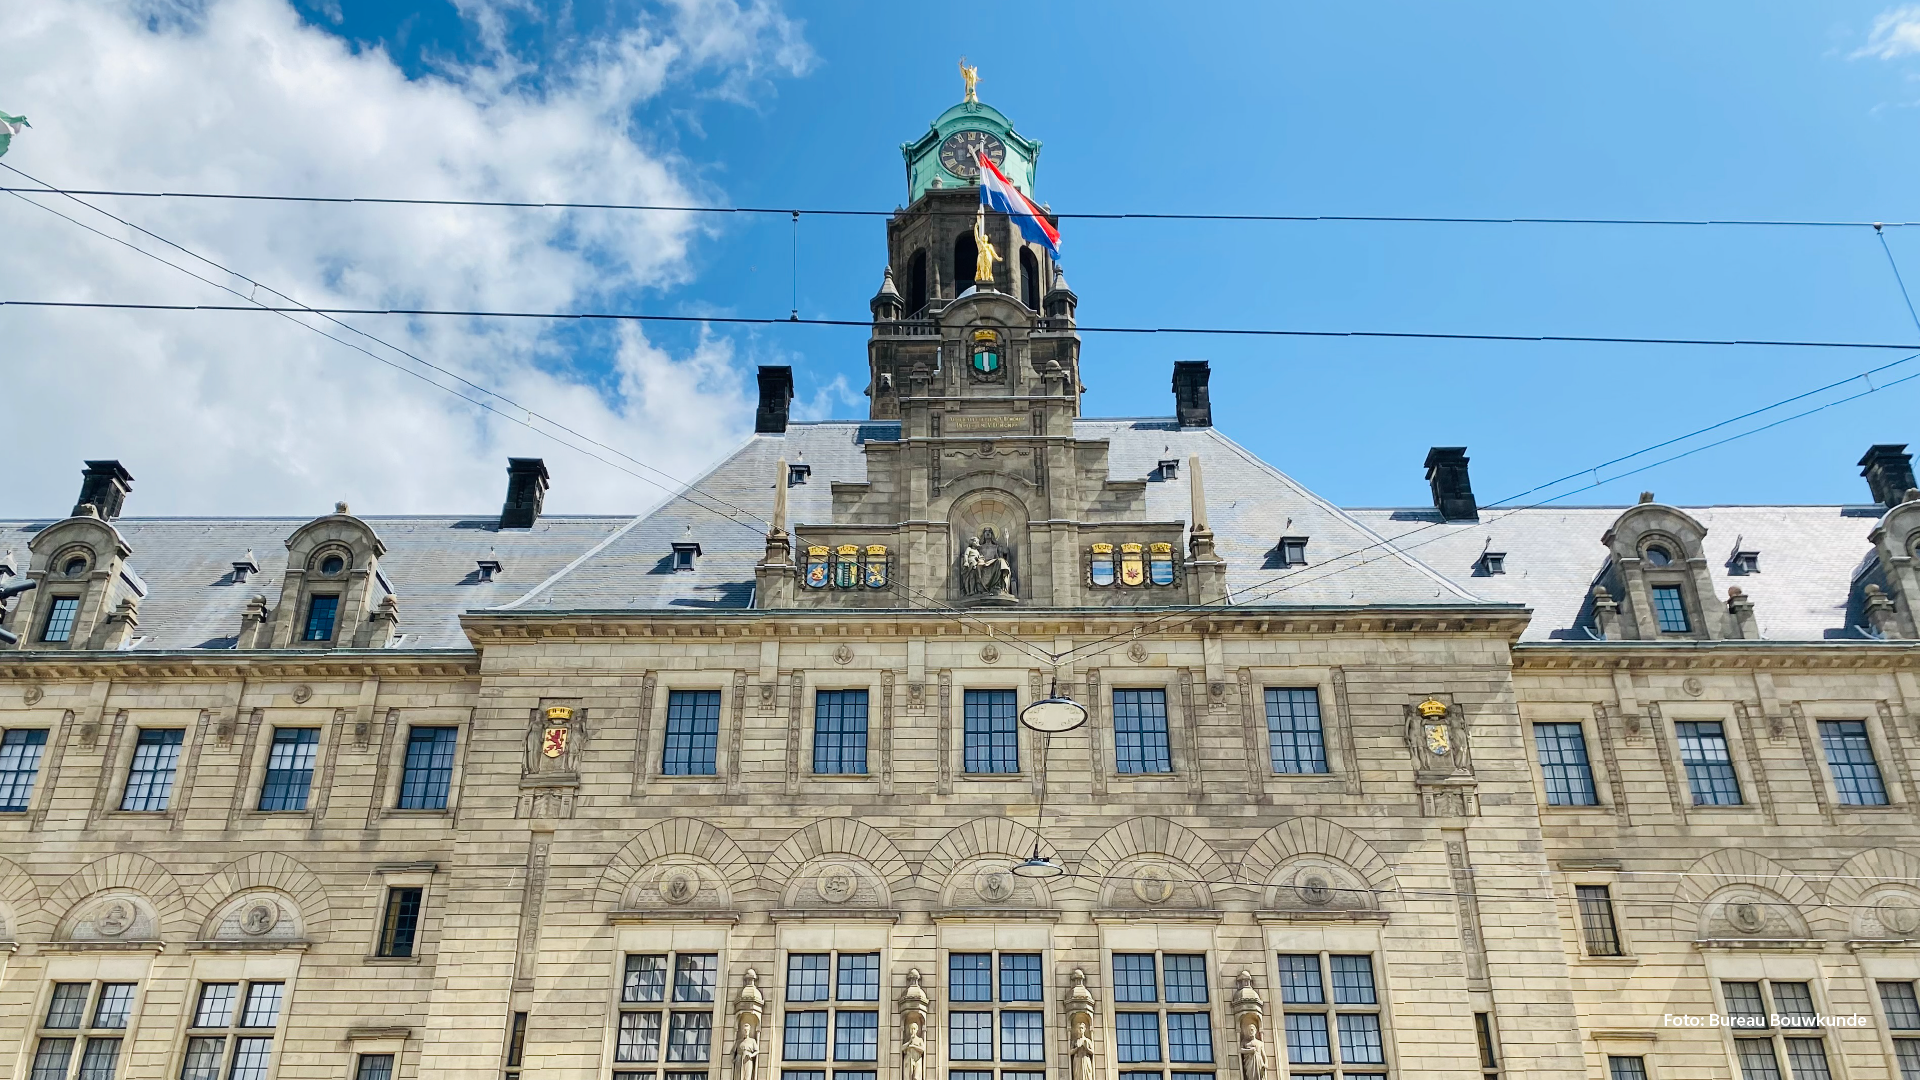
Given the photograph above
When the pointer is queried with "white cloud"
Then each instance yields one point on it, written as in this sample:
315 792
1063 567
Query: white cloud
247 414
1895 33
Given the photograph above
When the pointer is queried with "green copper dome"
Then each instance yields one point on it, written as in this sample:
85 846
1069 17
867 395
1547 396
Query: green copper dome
943 156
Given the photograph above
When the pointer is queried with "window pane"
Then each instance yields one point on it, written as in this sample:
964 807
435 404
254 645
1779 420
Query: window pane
402 922
1596 920
1300 980
250 1059
1564 765
1744 1004
375 1067
216 1005
1756 1059
970 977
1189 1037
1134 978
1140 731
20 752
1186 979
1903 1008
50 1060
68 1005
845 1074
1793 1001
1352 980
1907 1053
101 1059
1808 1059
1703 749
992 732
970 1036
1138 1036
1626 1068
1021 1036
815 1074
428 774
1293 730
690 1036
856 1035
1020 977
116 1004
1307 1039
840 732
859 977
289 769
807 977
263 1005
202 1060
693 733
1850 755
1021 1074
646 979
1483 1035
694 975
1670 610
150 780
806 1036
60 619
321 612
969 1074
638 1038
1360 1039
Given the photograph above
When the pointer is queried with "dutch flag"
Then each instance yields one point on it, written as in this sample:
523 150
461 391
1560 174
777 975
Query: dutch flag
998 193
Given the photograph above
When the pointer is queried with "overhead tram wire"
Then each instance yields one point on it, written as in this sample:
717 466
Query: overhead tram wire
684 490
512 204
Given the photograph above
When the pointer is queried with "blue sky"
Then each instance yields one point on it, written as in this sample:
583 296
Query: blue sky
1704 110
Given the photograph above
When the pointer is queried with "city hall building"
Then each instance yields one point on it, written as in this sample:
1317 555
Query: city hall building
747 787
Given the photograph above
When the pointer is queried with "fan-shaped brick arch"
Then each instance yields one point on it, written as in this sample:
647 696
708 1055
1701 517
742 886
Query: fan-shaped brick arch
674 836
1870 869
1153 836
124 870
835 836
19 899
1730 866
264 870
981 836
1314 836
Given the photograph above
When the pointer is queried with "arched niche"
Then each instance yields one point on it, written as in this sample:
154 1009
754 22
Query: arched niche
260 918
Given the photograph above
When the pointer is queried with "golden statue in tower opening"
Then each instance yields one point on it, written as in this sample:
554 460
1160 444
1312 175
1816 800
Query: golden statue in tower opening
972 76
985 254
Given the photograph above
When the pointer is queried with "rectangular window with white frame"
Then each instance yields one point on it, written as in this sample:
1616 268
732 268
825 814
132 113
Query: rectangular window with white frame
426 775
1163 1028
991 731
1564 767
830 1023
1331 1017
1708 762
667 1003
83 1030
289 774
995 1017
156 758
1599 931
692 743
1901 1007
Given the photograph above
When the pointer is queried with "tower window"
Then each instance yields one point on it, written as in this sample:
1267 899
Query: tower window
1029 279
917 282
965 259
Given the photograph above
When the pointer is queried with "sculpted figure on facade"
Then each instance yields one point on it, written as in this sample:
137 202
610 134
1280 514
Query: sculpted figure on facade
913 1025
1079 1009
1248 1009
747 1010
985 566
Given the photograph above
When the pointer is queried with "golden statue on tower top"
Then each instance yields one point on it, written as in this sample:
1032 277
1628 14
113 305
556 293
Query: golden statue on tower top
972 76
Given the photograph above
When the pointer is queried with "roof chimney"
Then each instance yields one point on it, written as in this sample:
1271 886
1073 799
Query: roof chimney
104 486
1191 405
776 399
526 492
1452 491
1889 472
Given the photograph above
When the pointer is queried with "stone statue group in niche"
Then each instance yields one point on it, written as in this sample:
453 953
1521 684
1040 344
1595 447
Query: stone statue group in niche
985 566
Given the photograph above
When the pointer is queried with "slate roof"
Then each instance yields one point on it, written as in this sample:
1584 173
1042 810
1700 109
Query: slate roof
1809 555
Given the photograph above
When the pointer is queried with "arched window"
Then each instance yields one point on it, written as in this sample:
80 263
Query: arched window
1029 279
917 283
965 255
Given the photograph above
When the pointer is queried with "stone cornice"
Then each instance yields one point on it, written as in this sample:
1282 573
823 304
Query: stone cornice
251 664
1538 656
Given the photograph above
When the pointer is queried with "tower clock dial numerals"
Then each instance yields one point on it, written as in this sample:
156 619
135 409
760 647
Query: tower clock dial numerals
958 154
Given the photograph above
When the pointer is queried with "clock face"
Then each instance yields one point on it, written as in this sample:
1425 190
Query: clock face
957 154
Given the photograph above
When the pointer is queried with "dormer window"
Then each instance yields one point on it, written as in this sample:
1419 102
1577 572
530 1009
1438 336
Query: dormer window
1168 469
488 566
1490 563
684 555
245 568
60 619
1293 551
322 612
1658 556
797 474
1670 608
1744 562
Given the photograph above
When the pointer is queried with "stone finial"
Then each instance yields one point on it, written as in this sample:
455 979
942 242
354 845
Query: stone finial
340 508
914 1002
1880 611
1246 999
1079 1001
751 1001
1606 612
1740 606
1646 497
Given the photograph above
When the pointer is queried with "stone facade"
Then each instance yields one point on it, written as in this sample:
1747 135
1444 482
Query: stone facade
459 797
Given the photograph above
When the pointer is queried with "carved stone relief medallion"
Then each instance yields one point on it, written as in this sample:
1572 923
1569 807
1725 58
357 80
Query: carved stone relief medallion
260 917
33 695
1746 916
1898 914
990 653
836 883
1316 890
1137 653
994 884
1693 686
1152 884
301 693
114 919
679 885
843 655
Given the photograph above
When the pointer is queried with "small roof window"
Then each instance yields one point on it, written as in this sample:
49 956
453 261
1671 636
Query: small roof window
489 566
1292 551
1744 560
1658 555
1489 563
684 555
797 474
1168 469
